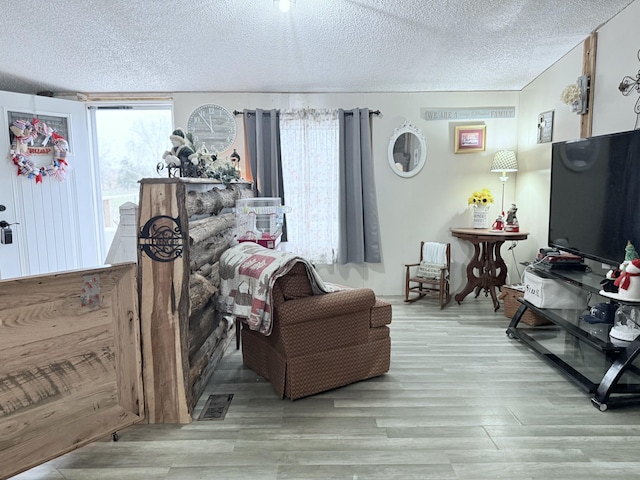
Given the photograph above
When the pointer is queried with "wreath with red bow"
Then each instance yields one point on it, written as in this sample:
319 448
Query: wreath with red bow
24 133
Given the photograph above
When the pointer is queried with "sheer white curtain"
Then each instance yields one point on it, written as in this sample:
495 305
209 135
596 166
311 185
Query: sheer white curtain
310 166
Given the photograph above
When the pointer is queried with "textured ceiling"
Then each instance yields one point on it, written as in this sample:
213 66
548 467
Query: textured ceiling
319 46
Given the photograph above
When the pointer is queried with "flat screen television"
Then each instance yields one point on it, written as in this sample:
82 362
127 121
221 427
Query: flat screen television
595 196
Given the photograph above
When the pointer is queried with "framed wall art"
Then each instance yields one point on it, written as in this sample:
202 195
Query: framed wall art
545 127
470 138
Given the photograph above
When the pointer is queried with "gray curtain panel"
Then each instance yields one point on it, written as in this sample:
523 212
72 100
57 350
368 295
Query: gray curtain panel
359 227
262 130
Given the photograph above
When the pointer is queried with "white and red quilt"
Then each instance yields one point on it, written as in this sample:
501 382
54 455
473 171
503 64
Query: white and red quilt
248 272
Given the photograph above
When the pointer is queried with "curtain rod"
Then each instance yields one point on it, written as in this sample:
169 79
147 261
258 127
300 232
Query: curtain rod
372 112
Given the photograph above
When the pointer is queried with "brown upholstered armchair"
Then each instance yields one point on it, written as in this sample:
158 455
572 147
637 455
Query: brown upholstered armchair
319 342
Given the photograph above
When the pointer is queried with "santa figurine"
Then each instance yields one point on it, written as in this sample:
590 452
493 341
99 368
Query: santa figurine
498 225
181 154
512 224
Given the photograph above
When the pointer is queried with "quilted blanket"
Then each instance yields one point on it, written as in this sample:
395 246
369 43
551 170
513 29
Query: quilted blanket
248 272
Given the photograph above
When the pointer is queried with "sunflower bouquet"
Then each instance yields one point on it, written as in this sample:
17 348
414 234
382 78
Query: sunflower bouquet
481 199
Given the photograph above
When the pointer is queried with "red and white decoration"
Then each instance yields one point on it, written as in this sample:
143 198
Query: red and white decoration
22 146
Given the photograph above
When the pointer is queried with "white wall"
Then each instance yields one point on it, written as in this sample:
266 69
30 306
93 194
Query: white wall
410 209
534 160
616 56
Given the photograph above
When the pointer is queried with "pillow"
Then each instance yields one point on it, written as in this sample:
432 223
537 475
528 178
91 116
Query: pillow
429 270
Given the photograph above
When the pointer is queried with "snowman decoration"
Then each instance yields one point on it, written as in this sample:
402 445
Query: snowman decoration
628 283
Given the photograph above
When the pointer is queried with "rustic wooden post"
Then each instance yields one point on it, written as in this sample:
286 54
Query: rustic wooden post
589 69
184 224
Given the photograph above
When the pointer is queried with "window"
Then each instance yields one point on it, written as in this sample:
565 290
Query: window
309 148
129 142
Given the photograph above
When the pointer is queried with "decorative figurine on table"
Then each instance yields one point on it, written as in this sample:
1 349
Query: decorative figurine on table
498 225
512 224
628 284
181 155
608 283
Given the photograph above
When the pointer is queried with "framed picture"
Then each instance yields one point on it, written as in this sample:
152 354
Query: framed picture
545 127
470 138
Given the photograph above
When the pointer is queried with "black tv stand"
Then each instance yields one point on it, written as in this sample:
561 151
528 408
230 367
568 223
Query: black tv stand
556 266
585 354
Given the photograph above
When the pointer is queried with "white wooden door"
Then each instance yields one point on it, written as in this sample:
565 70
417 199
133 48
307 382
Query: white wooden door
57 220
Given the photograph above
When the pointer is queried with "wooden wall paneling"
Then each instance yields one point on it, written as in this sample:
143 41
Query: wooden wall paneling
62 361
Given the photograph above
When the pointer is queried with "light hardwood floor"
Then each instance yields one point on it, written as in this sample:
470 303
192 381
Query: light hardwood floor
461 401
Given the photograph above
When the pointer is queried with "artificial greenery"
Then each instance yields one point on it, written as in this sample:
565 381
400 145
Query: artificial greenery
225 173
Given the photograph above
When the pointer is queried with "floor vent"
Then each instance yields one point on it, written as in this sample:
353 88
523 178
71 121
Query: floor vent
216 407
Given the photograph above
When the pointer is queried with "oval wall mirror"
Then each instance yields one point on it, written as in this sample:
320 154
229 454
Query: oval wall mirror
407 150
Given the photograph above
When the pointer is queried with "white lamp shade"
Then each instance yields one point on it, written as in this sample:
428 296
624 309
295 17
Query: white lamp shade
504 161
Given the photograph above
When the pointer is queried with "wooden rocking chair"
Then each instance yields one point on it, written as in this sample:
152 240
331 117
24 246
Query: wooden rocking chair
430 277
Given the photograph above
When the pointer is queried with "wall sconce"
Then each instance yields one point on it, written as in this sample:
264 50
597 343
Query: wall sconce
284 5
576 95
504 161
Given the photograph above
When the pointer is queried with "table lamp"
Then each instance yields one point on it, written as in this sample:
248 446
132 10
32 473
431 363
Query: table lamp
504 161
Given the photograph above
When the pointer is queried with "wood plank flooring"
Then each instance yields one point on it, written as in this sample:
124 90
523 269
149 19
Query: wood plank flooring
461 401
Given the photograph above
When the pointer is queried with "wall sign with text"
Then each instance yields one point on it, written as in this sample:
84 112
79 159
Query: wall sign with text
477 113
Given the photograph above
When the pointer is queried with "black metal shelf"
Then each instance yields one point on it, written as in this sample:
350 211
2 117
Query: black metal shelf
618 358
569 326
586 280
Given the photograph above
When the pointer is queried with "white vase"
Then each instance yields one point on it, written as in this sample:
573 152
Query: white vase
481 217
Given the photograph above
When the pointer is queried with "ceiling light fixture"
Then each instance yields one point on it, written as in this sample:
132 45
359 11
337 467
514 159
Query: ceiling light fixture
284 5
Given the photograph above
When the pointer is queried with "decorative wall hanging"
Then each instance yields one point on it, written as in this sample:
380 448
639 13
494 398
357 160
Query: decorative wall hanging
162 238
627 85
467 113
32 138
576 95
470 138
545 127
